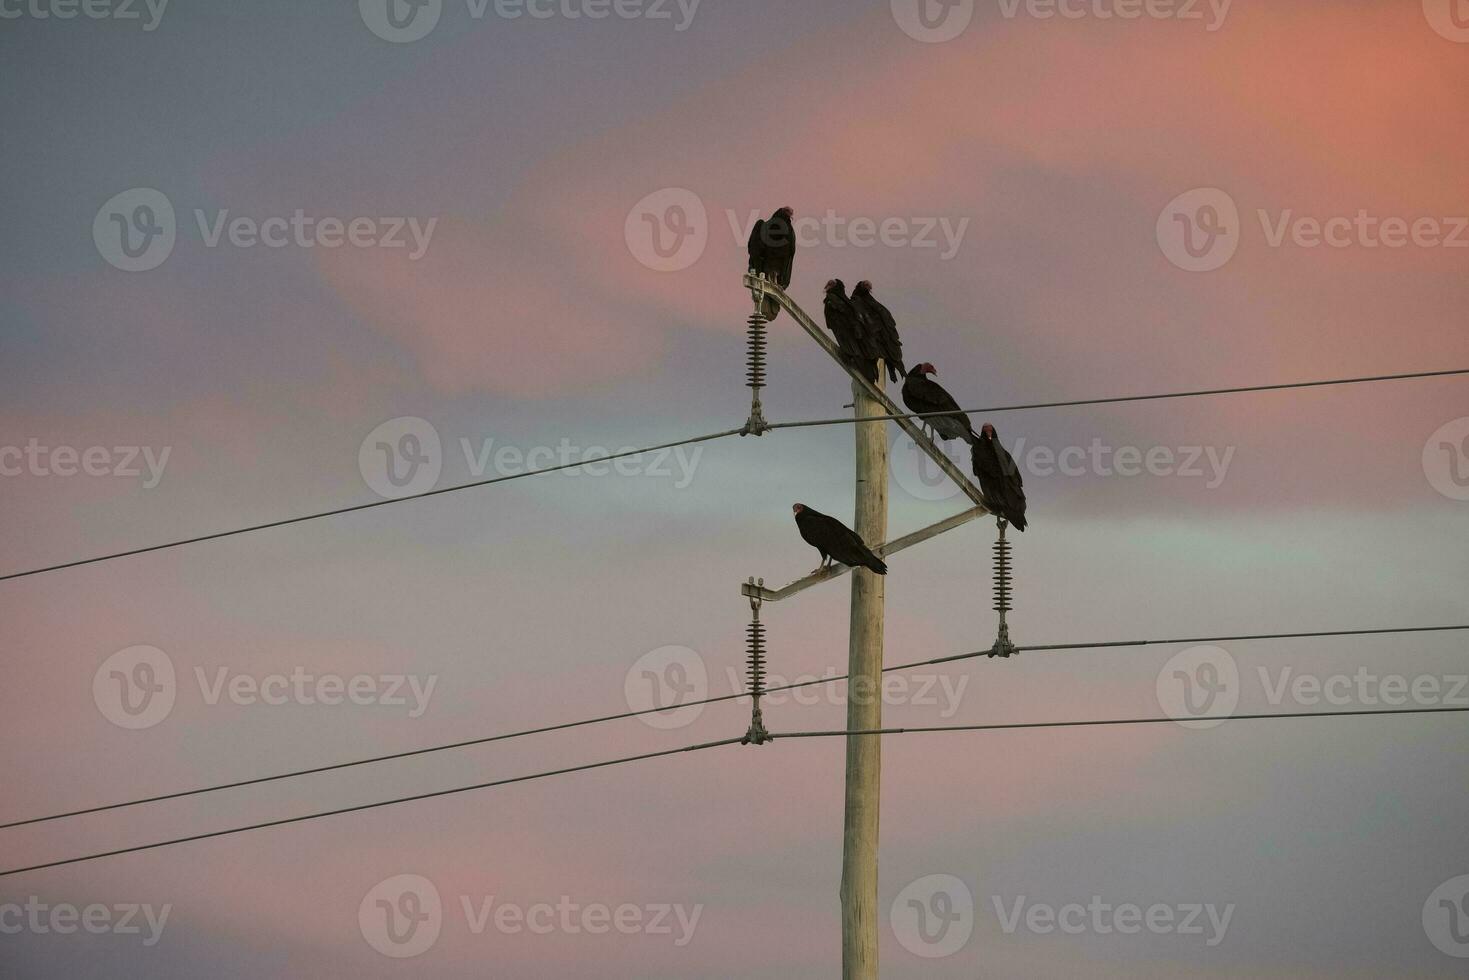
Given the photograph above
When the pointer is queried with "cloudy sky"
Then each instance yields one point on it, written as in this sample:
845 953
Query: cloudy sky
245 243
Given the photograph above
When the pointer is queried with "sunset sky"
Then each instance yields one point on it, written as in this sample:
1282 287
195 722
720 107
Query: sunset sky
505 175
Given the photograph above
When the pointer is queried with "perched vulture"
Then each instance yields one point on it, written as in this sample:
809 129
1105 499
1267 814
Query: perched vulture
772 249
999 478
880 328
923 395
845 324
835 540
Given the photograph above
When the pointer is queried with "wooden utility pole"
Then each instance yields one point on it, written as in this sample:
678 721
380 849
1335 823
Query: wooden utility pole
864 662
864 700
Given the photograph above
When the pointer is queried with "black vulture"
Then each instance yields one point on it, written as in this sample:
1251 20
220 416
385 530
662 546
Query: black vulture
772 249
999 478
923 395
845 324
881 328
835 540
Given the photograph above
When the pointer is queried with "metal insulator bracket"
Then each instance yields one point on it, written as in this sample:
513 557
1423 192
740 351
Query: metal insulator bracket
1004 589
756 342
755 668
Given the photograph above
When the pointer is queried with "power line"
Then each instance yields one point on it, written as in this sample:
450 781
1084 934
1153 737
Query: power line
1094 723
1355 713
708 438
367 506
506 736
370 806
485 740
1130 398
1314 634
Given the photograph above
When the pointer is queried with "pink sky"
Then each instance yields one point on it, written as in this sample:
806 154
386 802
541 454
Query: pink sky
531 320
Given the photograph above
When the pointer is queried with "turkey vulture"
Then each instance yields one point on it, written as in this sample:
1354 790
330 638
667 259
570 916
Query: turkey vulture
881 328
772 249
835 540
845 324
999 478
923 395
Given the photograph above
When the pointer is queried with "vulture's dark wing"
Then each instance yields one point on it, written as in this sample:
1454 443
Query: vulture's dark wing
846 325
756 246
781 241
925 396
887 326
1008 469
1000 480
830 536
841 320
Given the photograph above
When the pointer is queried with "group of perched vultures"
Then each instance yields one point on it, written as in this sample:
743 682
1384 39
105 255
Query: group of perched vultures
866 333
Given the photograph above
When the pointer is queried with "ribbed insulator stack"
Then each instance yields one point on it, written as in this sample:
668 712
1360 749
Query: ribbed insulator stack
1003 585
755 641
755 338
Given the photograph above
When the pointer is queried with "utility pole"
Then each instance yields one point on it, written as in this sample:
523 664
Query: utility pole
864 699
864 657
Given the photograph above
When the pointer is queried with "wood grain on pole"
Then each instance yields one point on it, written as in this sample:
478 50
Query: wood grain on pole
864 702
